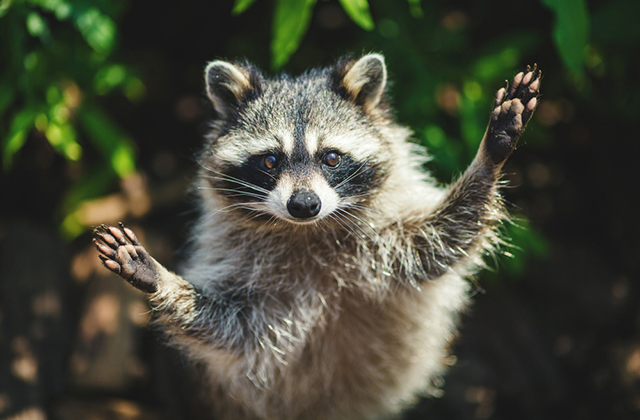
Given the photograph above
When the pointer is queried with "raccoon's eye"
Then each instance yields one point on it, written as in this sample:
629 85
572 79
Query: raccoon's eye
332 159
269 162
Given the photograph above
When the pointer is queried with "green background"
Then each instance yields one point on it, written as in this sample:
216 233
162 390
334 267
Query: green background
102 109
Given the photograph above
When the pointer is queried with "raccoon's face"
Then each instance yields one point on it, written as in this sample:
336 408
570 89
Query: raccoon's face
300 150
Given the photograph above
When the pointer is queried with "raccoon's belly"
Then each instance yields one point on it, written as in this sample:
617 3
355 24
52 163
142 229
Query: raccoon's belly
386 354
366 363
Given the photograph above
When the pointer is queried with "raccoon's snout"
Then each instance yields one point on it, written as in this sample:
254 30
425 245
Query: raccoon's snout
304 204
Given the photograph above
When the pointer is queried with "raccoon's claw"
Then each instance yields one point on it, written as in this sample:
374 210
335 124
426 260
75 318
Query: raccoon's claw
513 107
121 252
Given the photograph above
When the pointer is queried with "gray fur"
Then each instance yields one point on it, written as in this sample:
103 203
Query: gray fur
344 315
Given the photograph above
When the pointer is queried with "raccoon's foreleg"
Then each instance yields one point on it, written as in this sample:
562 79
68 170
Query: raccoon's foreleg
121 252
185 311
472 209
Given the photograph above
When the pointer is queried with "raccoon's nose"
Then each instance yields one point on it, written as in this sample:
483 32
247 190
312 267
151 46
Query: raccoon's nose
304 204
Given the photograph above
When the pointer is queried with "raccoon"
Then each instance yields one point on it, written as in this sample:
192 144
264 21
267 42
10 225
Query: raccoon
328 269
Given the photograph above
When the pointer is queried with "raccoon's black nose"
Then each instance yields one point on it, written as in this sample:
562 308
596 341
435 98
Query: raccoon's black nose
304 204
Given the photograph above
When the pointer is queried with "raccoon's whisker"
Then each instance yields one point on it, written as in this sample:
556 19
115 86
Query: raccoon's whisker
243 205
365 209
363 195
257 213
368 209
208 169
246 206
358 223
369 225
349 207
234 205
320 226
314 229
269 175
343 222
238 192
243 184
350 177
271 222
224 177
357 206
357 230
353 175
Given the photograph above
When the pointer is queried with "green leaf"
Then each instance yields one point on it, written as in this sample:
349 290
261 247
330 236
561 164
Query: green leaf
20 126
62 136
61 8
358 11
571 32
4 7
93 184
241 5
290 23
115 145
7 94
97 29
123 159
108 77
36 26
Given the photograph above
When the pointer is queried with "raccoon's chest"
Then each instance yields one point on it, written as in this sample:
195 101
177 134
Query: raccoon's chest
347 349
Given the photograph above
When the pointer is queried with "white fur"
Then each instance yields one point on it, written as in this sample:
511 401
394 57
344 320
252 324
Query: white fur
311 142
362 148
236 149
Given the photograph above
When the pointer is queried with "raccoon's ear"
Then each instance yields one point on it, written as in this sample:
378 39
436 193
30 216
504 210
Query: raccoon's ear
362 81
230 85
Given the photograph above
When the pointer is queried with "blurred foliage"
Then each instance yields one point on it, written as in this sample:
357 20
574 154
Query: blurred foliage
57 63
291 20
571 32
358 11
60 64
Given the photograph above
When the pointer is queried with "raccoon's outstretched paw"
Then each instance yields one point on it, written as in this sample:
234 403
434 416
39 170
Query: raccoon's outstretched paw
122 253
512 110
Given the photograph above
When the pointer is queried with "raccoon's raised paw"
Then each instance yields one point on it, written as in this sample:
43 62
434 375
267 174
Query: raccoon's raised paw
512 110
122 253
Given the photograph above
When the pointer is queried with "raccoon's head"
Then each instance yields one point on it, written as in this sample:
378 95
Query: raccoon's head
299 149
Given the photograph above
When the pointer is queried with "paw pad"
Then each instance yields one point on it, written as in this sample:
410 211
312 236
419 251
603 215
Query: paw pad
513 107
121 252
